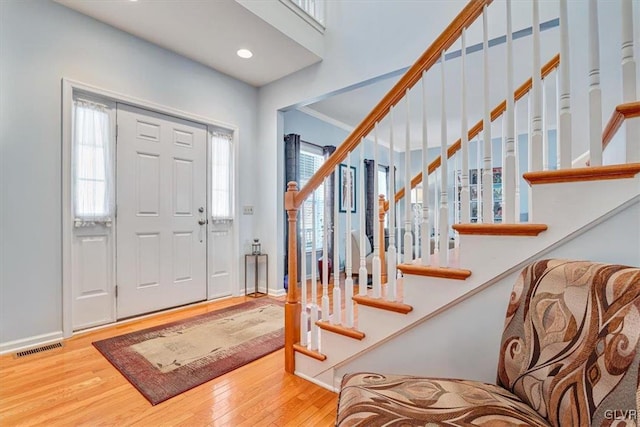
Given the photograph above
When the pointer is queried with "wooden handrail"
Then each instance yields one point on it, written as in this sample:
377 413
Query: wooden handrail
520 92
622 112
446 39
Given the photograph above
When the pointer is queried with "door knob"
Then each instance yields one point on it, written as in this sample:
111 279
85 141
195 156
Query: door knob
202 222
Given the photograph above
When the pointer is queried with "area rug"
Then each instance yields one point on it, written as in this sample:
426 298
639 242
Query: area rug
164 361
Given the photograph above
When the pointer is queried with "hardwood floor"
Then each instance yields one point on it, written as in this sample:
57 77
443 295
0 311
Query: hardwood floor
76 386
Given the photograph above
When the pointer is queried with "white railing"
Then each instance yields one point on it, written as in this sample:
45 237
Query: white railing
312 8
480 194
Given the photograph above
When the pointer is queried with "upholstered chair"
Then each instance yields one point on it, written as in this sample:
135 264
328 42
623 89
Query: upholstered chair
569 356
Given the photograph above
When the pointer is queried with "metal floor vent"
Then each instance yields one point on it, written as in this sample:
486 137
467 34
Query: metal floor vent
38 349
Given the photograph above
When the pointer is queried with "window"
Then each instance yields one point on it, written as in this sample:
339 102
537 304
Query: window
92 153
221 176
310 161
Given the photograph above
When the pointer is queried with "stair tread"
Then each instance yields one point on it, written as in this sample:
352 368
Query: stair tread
342 330
592 173
380 303
524 229
311 353
431 271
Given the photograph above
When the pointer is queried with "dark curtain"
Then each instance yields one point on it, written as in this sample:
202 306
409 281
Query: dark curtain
328 150
370 198
291 173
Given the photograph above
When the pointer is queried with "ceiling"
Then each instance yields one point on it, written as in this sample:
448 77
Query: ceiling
209 32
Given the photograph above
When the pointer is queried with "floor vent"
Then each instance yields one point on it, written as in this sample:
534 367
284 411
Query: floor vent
38 349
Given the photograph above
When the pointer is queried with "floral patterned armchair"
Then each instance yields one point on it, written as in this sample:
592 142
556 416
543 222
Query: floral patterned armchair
570 356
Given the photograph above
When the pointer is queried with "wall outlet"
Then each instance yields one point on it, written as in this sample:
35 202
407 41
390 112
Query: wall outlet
247 210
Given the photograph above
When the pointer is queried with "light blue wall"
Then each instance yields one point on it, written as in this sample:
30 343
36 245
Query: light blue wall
42 42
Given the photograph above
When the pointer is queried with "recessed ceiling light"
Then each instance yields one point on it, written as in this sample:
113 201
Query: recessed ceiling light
244 53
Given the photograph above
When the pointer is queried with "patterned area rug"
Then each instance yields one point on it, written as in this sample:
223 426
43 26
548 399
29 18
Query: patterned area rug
164 361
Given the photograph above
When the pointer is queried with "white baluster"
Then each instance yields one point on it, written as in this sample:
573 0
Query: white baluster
516 168
408 240
545 134
337 307
595 93
564 93
464 139
314 277
629 83
487 168
436 212
325 314
304 316
426 228
509 173
444 201
348 283
375 263
362 273
325 255
535 144
392 251
479 163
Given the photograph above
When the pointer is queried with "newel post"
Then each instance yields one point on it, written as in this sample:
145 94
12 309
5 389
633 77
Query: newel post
381 214
292 304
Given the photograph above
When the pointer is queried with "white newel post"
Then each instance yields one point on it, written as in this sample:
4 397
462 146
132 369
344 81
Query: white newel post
362 272
629 83
444 201
376 265
509 175
487 167
464 139
595 93
425 230
325 255
564 93
392 251
408 241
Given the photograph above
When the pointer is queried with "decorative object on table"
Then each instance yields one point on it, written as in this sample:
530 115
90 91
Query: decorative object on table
342 207
256 261
166 360
256 247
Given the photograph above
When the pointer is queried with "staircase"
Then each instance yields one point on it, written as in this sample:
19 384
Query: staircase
402 323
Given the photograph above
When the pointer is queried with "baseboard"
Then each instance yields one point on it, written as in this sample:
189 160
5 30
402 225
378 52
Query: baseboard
316 382
277 292
25 343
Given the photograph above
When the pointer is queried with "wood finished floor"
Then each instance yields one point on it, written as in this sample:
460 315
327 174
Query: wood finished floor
76 386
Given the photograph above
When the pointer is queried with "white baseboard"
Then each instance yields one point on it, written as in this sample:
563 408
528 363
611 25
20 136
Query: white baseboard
316 382
34 341
277 292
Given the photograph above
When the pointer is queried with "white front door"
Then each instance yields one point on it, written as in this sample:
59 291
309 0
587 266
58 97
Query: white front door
161 211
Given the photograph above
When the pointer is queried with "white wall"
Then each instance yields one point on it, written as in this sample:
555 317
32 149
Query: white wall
42 42
359 45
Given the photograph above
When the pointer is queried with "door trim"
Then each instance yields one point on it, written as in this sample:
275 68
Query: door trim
71 87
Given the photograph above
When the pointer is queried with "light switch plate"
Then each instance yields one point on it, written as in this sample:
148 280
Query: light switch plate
247 210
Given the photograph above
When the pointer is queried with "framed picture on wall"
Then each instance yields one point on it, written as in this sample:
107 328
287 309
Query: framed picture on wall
345 204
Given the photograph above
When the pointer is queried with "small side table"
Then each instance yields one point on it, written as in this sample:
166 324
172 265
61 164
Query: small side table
256 259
